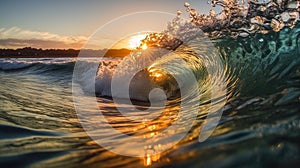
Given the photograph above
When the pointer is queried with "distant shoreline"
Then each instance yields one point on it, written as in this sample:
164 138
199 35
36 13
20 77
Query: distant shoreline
41 57
51 57
29 52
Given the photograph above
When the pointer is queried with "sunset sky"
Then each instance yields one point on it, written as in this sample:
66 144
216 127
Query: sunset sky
69 23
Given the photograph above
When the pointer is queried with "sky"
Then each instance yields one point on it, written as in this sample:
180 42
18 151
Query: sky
69 23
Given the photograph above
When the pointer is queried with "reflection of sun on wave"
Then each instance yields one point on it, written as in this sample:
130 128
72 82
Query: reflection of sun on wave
155 74
135 41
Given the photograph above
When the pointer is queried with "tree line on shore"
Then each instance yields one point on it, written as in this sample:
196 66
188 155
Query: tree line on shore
28 52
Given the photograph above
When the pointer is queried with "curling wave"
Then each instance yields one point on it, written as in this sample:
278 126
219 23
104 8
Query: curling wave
252 39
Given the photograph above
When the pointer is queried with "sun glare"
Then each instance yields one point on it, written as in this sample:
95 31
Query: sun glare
155 74
144 47
135 41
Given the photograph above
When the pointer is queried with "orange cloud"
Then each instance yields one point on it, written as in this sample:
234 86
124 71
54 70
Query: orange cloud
16 37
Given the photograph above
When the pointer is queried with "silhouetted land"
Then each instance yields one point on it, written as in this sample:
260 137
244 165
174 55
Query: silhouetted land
29 52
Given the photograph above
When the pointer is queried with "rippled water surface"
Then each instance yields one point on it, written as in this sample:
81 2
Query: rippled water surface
39 126
259 127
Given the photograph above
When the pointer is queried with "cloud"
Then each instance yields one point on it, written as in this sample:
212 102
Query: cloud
16 37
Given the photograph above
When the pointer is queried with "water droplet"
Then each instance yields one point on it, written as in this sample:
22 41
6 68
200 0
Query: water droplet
234 13
186 4
285 16
193 12
179 12
276 25
261 40
293 5
212 13
244 34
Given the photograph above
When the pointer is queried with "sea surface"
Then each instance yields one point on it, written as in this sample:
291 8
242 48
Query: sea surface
40 125
260 126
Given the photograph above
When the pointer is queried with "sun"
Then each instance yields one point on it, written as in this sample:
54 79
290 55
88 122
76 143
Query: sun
135 41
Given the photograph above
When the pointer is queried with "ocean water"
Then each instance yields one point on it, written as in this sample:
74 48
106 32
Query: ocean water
259 126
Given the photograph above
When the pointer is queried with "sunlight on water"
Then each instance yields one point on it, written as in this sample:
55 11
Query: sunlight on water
257 43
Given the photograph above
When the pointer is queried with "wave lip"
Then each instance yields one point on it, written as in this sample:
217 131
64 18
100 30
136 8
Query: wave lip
8 65
238 18
36 64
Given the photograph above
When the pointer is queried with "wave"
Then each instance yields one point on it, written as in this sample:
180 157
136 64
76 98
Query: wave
18 132
259 63
9 65
260 72
264 63
36 65
256 65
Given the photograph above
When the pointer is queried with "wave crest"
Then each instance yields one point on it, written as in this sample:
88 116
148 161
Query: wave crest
239 18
